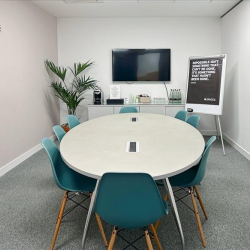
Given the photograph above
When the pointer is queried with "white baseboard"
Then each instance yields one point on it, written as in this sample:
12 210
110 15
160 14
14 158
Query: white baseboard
22 158
237 146
230 141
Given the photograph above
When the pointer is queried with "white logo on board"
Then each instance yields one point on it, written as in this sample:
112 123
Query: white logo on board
210 99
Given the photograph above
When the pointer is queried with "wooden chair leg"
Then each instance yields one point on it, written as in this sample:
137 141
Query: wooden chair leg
59 210
158 244
165 197
149 244
112 240
201 203
60 215
198 219
99 222
157 223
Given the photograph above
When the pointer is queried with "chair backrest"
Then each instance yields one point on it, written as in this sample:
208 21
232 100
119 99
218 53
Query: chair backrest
128 109
59 131
193 120
63 175
72 121
129 200
203 163
181 115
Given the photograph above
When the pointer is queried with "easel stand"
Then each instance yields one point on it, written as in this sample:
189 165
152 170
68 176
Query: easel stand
217 123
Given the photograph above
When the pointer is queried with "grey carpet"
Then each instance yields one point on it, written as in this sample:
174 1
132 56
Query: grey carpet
29 203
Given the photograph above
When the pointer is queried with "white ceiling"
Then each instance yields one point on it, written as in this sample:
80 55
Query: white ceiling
135 8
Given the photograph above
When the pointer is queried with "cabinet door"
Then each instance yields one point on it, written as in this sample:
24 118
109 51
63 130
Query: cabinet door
153 109
99 111
117 109
172 111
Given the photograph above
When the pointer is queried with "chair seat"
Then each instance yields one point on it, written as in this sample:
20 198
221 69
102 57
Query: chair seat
128 109
189 179
70 180
129 200
82 183
182 180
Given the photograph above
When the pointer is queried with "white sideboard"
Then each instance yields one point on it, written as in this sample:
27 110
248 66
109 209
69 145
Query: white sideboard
95 111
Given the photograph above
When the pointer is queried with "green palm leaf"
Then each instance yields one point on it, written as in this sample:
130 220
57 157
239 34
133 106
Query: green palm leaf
80 67
59 71
82 83
71 98
71 95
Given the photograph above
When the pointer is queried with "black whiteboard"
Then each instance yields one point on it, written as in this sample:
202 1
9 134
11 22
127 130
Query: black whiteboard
205 85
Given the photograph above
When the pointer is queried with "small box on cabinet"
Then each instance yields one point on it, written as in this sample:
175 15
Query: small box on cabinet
144 99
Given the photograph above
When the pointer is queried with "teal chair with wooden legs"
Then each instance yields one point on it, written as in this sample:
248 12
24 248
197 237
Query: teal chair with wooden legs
69 181
59 132
181 115
188 182
130 200
128 109
72 121
193 120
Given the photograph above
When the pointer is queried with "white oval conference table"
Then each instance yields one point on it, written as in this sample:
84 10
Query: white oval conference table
167 146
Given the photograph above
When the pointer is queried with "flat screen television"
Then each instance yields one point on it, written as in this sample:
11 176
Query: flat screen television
130 65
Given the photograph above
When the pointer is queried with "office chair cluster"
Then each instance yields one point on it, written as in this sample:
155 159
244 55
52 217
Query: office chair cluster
133 209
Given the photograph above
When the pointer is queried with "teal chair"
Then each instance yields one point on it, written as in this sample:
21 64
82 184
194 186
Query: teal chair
69 181
130 200
193 120
128 109
59 132
189 180
72 121
181 115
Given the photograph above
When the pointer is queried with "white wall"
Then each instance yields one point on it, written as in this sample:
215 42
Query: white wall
236 43
81 39
28 110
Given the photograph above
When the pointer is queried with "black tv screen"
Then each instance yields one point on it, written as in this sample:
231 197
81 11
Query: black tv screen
141 64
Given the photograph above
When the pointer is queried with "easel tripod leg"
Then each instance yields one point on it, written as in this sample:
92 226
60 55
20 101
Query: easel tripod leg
221 136
217 131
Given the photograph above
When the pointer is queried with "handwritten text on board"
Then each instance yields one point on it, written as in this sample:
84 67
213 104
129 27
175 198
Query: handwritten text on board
203 70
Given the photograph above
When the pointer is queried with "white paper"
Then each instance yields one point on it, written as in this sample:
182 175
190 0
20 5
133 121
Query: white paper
115 92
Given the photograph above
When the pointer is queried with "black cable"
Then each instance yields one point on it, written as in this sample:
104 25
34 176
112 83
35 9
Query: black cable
166 90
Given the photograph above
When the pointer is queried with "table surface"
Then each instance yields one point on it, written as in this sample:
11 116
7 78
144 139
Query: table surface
168 146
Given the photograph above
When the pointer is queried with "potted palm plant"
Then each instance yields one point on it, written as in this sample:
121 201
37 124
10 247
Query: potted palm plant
70 93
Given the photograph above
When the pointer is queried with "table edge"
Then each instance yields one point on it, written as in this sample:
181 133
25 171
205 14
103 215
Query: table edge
158 177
